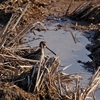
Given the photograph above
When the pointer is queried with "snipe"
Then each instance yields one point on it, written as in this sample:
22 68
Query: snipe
39 53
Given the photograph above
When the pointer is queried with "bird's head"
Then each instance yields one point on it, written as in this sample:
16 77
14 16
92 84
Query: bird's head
43 45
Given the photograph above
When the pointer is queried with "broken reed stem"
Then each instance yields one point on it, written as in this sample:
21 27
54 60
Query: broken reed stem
94 95
38 75
73 36
95 75
42 80
23 12
46 72
18 48
88 8
38 82
14 58
79 7
59 83
5 33
7 25
67 12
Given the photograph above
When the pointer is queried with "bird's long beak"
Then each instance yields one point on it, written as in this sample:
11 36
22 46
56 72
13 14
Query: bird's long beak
51 50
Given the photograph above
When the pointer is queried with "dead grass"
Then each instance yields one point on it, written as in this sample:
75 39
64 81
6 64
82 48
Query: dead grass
22 78
88 11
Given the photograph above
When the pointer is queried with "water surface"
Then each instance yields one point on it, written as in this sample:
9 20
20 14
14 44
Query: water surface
62 43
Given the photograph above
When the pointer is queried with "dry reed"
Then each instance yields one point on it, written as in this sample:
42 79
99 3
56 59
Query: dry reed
43 80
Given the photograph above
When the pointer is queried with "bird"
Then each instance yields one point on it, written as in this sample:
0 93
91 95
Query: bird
39 54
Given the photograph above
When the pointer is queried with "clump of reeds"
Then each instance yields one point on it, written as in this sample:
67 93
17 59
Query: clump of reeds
87 11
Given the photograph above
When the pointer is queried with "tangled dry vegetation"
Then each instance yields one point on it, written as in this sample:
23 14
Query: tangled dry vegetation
27 79
89 11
